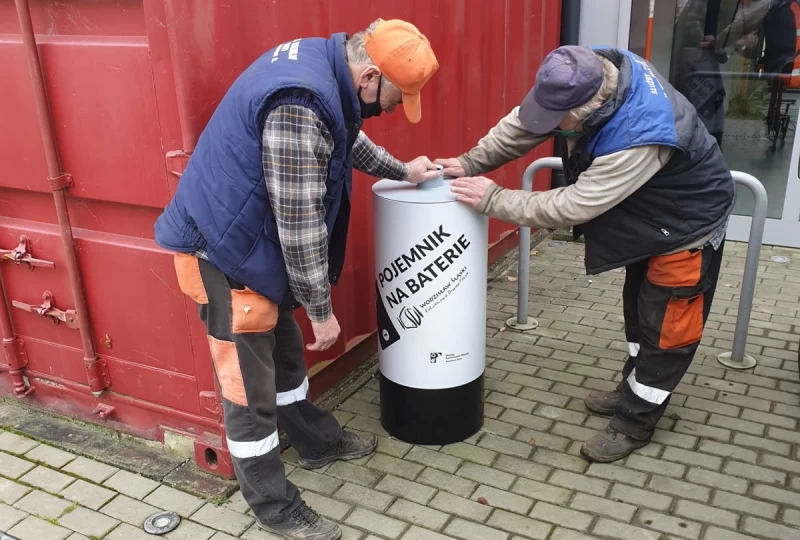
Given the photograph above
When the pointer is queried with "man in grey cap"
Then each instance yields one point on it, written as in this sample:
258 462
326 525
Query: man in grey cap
647 187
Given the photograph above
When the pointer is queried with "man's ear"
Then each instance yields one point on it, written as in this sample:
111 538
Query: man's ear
369 73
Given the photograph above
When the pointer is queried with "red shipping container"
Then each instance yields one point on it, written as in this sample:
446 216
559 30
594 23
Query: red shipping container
130 86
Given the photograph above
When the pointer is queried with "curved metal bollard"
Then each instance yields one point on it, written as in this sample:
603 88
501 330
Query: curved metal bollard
737 358
521 322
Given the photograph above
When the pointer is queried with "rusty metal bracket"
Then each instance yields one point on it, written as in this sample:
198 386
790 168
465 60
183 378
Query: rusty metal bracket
210 402
177 161
104 411
48 309
62 181
22 255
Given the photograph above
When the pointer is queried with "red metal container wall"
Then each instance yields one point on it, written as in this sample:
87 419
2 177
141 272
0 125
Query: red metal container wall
130 81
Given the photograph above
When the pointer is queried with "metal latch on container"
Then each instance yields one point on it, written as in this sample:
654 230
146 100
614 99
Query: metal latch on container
22 255
48 309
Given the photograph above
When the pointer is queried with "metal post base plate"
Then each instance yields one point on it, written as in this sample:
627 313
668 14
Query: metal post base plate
521 327
748 362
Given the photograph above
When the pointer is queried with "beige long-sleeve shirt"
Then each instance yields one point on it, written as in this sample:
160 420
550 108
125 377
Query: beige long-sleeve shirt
606 183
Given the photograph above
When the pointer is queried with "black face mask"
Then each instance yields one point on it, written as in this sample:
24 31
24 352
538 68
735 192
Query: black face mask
368 110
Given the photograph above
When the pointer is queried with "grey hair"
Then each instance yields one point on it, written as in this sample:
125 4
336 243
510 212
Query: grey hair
357 51
607 89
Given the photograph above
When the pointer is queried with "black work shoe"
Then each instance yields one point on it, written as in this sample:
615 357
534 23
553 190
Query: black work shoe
602 402
352 446
610 445
304 524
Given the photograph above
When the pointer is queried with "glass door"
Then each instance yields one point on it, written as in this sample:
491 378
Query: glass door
737 62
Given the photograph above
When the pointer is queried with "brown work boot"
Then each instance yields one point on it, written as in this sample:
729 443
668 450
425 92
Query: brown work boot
352 446
602 402
304 524
610 445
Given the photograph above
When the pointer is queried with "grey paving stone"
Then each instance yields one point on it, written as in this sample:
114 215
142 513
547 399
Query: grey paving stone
349 472
89 495
412 491
466 530
395 466
132 485
503 445
540 491
646 464
522 467
640 497
728 450
42 504
745 505
447 482
189 530
10 516
129 510
754 472
539 439
559 460
11 492
668 524
54 457
88 522
417 514
314 481
370 521
330 508
47 479
14 467
617 474
512 523
721 481
174 500
33 528
418 533
706 514
680 488
91 470
498 498
603 506
222 519
16 444
692 458
561 516
767 529
458 506
486 475
361 496
433 459
468 452
715 533
579 482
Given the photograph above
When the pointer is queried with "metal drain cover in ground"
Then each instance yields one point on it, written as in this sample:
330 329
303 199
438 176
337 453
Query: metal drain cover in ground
779 259
162 523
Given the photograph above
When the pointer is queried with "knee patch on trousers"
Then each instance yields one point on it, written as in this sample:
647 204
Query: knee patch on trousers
229 372
683 318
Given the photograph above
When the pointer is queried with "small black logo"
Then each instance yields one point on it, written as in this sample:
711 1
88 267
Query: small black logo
435 356
410 317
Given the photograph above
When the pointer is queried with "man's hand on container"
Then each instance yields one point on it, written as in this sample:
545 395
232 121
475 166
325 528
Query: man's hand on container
421 170
471 190
326 334
452 167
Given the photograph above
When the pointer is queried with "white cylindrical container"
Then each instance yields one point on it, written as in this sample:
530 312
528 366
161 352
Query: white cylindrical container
430 260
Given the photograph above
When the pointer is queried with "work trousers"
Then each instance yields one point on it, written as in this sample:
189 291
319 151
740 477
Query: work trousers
666 302
257 351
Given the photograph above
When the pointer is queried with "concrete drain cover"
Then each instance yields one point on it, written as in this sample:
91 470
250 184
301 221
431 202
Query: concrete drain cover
779 259
162 523
556 243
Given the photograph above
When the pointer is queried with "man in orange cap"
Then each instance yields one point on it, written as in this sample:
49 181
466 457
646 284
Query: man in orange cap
259 225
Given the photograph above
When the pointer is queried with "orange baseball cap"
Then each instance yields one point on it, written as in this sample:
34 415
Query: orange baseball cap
405 57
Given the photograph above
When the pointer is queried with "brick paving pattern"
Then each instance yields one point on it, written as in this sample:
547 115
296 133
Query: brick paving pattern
724 464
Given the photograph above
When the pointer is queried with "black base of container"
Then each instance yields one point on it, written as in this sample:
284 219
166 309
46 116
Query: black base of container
432 417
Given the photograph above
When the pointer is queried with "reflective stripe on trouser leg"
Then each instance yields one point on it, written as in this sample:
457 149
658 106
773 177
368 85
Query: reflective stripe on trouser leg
245 371
674 301
633 349
294 395
311 431
647 393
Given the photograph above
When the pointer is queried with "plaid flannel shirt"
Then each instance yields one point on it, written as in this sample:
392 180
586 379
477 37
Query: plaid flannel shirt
297 147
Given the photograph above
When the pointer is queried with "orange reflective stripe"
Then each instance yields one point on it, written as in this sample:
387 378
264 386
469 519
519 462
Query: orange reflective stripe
677 270
251 312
